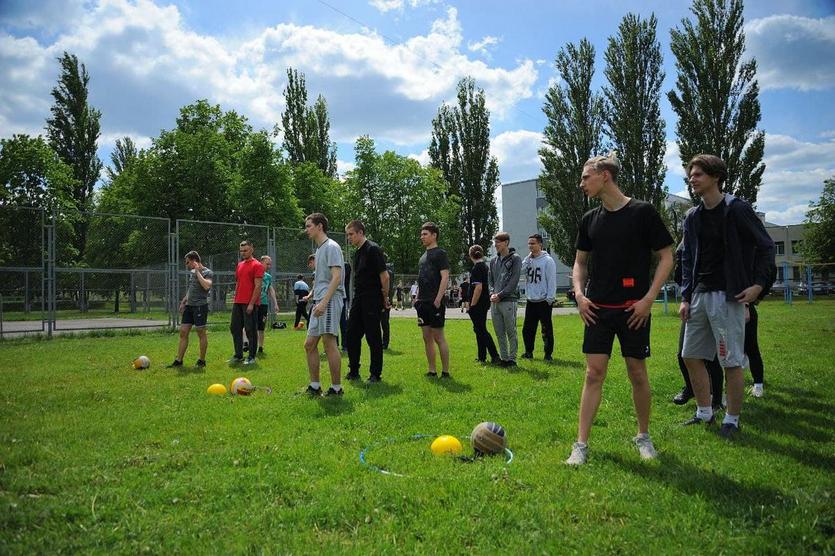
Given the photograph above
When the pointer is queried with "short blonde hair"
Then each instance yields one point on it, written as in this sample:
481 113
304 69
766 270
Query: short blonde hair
609 163
266 258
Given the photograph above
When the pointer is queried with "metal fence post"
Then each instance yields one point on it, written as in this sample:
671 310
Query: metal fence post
666 309
809 293
174 285
787 292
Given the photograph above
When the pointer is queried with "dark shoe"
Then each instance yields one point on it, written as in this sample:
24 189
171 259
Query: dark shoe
683 397
176 363
728 431
547 358
332 392
477 360
250 361
260 350
699 421
445 375
374 378
200 363
527 355
235 360
497 362
353 375
510 363
431 374
313 392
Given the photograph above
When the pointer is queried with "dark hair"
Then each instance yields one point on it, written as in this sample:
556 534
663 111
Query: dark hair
711 165
299 277
247 242
476 252
537 237
502 236
356 226
193 256
431 227
318 218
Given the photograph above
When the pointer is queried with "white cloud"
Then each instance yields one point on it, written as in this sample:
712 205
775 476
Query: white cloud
389 5
793 52
344 166
517 153
422 157
484 45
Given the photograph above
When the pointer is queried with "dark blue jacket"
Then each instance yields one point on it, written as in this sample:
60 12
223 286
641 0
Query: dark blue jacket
749 250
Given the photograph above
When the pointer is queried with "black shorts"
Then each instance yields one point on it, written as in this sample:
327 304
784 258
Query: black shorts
429 315
196 315
599 337
263 310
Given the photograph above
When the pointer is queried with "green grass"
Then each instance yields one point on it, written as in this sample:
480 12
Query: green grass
97 457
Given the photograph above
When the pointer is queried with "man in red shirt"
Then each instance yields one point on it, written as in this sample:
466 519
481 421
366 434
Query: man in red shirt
248 275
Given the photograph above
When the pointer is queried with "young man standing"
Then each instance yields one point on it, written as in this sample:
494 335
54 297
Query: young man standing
727 261
267 299
465 294
195 308
505 269
541 291
433 277
249 275
478 307
619 237
328 299
301 290
371 288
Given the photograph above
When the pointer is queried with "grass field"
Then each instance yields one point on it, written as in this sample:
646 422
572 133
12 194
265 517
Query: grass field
98 457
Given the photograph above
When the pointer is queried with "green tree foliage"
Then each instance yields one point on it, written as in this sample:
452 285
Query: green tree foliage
307 128
265 195
572 136
394 195
717 95
123 154
632 109
819 235
460 149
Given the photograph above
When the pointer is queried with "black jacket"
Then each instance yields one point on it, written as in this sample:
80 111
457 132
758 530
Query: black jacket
749 250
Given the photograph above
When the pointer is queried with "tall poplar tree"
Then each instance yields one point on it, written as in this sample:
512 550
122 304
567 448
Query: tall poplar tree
717 95
572 136
633 111
307 128
460 149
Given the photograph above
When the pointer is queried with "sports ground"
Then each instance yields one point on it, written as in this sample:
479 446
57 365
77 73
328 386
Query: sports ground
96 457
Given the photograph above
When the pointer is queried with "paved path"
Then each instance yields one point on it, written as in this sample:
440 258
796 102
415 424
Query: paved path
78 325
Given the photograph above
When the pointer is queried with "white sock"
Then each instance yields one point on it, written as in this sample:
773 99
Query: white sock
336 387
732 419
315 385
760 385
704 413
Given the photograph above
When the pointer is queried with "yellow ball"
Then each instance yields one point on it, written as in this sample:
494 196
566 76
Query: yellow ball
217 389
241 386
446 444
141 362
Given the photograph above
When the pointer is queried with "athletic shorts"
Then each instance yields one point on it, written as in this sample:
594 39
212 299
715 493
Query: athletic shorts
716 326
429 315
263 311
600 337
196 315
328 323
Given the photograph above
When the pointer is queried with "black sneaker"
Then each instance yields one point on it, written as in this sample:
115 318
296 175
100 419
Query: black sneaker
547 358
313 392
431 374
527 355
333 392
699 421
235 360
728 431
353 375
496 361
200 363
260 350
683 397
374 378
175 363
510 363
446 375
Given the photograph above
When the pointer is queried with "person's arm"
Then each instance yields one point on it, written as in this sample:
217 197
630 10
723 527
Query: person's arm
763 255
686 259
578 277
642 309
272 297
551 281
205 283
442 287
256 295
336 279
384 280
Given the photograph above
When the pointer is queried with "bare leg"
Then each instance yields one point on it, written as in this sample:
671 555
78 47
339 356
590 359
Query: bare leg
641 394
204 342
311 348
735 381
443 347
596 365
181 349
334 358
699 380
429 347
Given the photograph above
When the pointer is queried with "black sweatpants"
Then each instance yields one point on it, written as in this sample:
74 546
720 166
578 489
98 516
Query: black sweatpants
240 322
301 311
484 341
537 312
385 325
364 320
714 370
752 346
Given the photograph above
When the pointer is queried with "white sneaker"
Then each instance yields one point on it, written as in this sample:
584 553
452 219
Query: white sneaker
645 447
579 454
757 390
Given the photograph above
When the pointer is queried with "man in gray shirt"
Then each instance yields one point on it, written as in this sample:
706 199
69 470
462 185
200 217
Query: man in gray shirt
195 308
503 279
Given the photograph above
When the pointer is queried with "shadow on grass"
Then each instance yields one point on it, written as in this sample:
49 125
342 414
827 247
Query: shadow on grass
536 374
567 363
336 405
729 497
450 384
773 417
380 389
192 370
390 351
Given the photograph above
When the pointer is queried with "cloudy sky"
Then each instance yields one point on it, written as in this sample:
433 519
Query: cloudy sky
385 66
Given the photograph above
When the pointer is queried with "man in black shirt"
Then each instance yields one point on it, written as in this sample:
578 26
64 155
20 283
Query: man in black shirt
433 277
615 243
371 288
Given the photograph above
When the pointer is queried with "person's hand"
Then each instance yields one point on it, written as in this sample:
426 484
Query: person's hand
386 303
249 309
586 308
319 309
684 311
749 294
640 313
494 298
437 304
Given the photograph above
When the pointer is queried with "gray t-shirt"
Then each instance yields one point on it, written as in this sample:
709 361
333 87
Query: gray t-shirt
328 254
196 295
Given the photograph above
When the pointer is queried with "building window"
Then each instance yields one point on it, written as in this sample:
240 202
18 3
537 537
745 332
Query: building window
796 273
781 247
779 273
797 245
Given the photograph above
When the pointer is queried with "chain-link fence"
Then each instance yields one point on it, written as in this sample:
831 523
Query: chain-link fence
22 260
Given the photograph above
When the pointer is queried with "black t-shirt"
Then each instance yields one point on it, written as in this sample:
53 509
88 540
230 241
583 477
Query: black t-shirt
369 262
710 275
432 262
620 244
465 291
479 276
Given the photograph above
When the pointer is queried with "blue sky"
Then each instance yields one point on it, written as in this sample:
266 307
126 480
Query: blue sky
385 66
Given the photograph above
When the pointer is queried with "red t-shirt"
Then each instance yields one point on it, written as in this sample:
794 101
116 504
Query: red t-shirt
245 274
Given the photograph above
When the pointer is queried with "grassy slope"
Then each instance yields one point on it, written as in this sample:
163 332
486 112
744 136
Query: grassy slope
98 457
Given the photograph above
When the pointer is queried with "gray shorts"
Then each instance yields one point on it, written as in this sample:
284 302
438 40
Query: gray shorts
716 326
329 322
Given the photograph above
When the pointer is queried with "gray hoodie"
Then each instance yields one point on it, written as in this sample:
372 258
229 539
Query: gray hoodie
504 276
541 274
